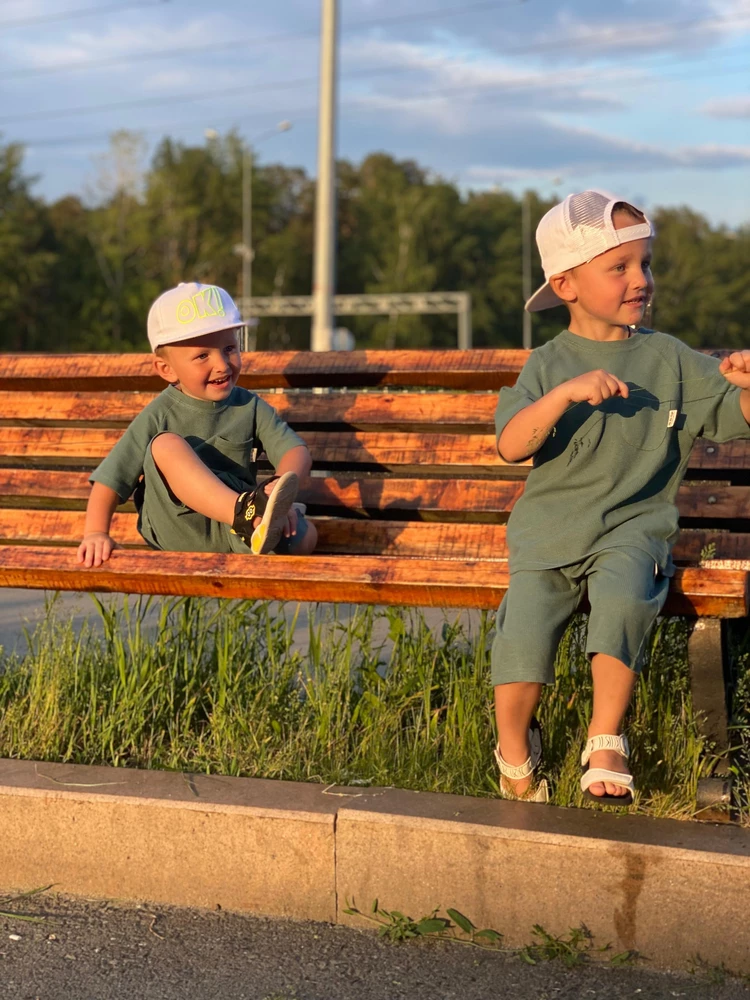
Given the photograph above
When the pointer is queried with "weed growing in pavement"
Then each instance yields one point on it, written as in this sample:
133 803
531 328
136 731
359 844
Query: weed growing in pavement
9 900
572 949
575 948
376 698
397 927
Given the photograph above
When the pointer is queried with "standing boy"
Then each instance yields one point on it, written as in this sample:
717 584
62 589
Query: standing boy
609 412
190 454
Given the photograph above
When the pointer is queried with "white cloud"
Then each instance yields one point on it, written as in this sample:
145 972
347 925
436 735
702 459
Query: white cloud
565 150
443 84
120 40
727 107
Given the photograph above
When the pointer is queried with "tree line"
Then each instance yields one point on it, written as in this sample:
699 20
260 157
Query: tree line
81 272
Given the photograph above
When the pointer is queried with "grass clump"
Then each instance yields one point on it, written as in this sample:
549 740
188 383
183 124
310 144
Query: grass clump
376 698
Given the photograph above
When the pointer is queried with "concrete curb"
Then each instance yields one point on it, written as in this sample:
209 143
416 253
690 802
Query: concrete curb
669 890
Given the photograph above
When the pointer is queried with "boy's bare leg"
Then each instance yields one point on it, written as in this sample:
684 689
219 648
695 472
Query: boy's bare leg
613 686
514 708
190 480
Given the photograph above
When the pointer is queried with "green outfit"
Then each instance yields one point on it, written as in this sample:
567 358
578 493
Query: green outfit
227 436
606 479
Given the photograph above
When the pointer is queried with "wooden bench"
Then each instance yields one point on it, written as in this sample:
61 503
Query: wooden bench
409 495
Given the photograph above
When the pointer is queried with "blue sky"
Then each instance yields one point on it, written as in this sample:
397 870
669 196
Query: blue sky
649 98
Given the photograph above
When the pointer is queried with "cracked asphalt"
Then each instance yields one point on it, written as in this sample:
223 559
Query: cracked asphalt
86 950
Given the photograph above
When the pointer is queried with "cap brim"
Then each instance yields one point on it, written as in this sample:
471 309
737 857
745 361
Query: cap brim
543 298
181 336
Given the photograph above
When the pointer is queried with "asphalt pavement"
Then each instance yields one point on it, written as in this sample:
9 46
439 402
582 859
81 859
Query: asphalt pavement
116 951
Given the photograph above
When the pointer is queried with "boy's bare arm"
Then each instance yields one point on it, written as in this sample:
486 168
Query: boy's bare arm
527 431
297 460
97 545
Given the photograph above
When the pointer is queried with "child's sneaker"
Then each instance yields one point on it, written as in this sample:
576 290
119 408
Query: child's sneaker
272 509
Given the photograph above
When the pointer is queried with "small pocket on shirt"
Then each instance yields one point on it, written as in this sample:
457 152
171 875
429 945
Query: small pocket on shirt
641 419
222 454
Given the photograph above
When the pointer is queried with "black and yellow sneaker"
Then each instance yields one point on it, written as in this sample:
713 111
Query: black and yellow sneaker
272 509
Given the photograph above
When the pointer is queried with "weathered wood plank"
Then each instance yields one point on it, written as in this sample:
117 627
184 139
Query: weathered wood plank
86 446
435 499
345 536
357 579
413 410
475 369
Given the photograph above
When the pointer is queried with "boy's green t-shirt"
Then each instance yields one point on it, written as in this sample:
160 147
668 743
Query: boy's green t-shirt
608 475
227 436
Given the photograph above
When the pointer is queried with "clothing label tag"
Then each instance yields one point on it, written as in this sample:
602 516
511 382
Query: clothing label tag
672 418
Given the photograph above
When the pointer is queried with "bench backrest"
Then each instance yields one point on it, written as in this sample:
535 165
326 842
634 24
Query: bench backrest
402 441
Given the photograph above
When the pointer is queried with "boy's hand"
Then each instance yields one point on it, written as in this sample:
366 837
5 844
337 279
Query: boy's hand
290 528
95 549
594 387
736 369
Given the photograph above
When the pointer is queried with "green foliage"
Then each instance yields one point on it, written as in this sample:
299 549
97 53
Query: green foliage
574 948
395 926
81 276
377 698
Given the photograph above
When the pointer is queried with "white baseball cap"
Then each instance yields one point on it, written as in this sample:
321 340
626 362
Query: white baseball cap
576 231
190 310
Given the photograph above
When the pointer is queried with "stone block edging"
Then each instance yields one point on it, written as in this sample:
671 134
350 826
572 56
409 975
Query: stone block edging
667 889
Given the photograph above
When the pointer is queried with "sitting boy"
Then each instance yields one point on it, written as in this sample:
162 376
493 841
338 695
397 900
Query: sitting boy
609 411
190 454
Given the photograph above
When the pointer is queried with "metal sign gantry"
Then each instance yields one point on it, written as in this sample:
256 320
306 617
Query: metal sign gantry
376 304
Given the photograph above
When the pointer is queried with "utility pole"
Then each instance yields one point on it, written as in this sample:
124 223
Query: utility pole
325 208
248 336
526 266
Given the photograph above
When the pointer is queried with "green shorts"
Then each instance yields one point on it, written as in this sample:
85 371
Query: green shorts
166 523
626 592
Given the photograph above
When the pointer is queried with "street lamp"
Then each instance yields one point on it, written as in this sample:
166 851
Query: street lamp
245 248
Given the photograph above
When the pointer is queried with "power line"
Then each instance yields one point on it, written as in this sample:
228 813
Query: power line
265 40
593 38
307 81
66 15
467 90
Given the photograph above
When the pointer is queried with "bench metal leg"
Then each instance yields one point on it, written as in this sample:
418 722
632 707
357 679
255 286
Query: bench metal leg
709 683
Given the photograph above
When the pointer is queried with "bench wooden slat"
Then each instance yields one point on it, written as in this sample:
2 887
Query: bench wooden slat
412 539
476 369
358 579
410 409
488 500
86 446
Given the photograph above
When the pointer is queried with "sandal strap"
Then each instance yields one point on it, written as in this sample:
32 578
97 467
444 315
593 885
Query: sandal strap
515 773
601 774
606 742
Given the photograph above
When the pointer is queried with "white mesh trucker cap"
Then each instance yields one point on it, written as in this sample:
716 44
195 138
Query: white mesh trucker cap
190 310
576 231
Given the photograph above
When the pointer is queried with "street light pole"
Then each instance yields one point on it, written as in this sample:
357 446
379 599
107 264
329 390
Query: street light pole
325 210
247 338
526 266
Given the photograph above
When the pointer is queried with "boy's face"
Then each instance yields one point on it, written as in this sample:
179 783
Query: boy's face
614 287
205 367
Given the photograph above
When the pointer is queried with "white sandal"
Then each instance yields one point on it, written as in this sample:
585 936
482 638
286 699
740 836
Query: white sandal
592 775
538 792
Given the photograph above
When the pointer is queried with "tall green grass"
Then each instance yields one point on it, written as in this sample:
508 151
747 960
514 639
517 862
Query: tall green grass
375 698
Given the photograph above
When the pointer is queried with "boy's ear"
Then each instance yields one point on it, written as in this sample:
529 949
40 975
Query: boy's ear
563 285
164 370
